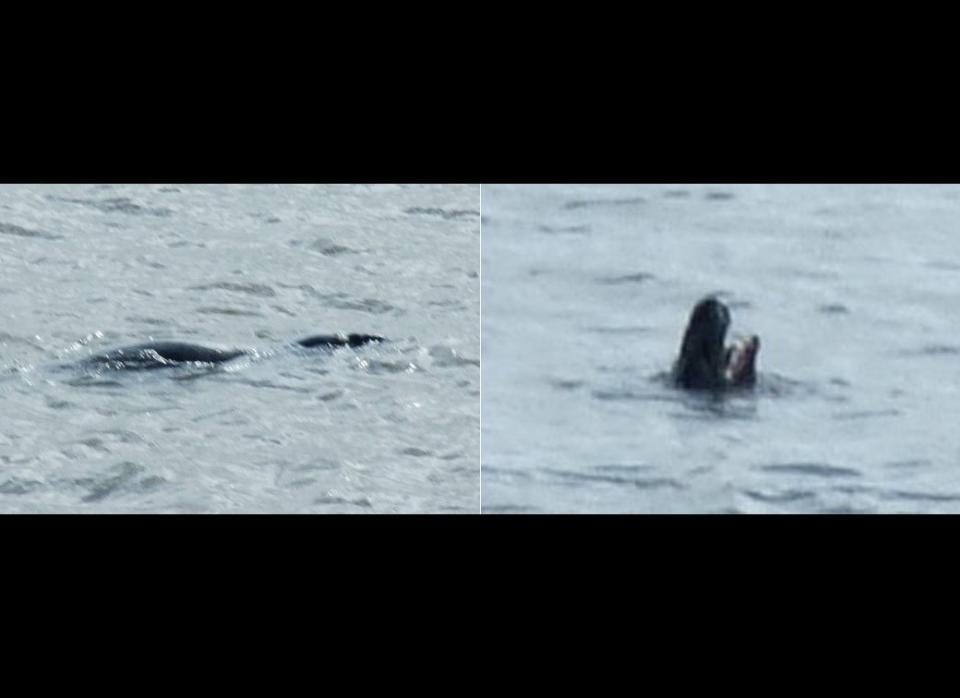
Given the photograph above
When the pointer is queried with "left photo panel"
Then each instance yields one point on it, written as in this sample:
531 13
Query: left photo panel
240 348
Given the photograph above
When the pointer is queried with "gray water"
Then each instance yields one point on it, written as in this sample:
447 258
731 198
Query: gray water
853 290
385 428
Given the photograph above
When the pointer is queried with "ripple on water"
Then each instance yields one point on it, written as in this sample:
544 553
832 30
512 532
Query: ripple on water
16 486
116 205
123 477
867 414
215 310
612 477
446 214
501 472
565 384
509 509
780 497
564 229
156 322
264 383
591 203
448 357
924 496
833 309
16 230
386 367
416 452
912 463
260 290
329 248
944 265
344 302
634 395
638 278
636 329
932 350
815 469
327 500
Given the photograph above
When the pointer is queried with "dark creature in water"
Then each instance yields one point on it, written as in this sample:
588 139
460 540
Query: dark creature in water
704 361
163 354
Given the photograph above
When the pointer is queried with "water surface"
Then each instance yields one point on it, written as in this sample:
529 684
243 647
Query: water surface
852 288
387 428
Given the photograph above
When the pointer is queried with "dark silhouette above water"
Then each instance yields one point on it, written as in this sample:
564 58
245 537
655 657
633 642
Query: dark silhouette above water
163 354
704 361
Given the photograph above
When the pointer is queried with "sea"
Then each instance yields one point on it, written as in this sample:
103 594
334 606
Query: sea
386 428
853 289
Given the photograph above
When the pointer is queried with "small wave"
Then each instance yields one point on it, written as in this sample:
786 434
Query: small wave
780 497
153 264
568 229
620 330
623 468
615 395
416 452
212 310
15 485
344 302
327 500
147 320
816 275
639 277
834 309
441 212
329 248
447 357
847 509
866 414
9 229
382 366
719 196
95 443
508 509
565 384
931 350
777 385
487 470
121 478
55 404
590 203
676 194
7 337
270 384
332 395
817 469
94 380
944 265
260 290
915 463
644 483
116 205
924 496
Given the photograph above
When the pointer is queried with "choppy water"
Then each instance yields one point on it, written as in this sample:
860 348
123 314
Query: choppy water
853 290
386 428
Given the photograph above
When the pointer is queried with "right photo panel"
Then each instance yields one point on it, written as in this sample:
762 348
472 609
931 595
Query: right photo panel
720 348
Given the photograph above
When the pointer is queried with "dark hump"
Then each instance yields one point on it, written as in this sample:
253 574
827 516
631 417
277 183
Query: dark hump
701 360
159 354
339 340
